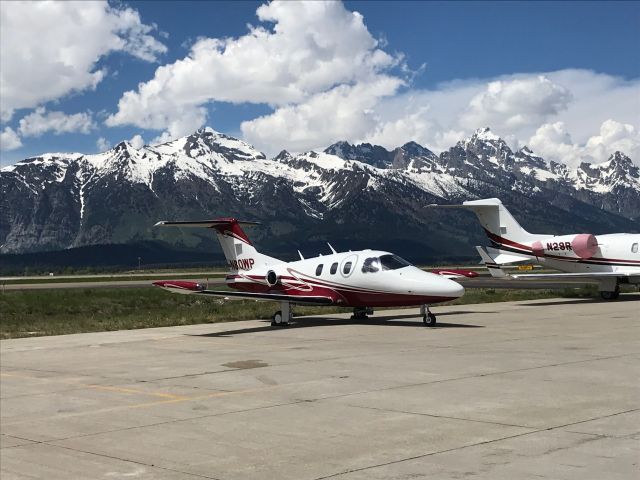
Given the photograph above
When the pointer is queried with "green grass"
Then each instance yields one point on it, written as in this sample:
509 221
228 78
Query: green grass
118 278
56 312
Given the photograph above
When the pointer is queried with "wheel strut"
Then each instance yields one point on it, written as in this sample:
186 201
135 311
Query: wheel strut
428 317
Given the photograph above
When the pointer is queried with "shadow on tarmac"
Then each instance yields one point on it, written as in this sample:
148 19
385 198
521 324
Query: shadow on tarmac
388 321
625 297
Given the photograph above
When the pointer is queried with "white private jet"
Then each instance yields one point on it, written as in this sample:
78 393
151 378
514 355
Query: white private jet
361 279
609 259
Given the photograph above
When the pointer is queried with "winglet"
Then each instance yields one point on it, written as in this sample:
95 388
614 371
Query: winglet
493 267
332 249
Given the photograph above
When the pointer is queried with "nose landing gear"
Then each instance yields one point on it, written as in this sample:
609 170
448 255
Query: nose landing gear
428 317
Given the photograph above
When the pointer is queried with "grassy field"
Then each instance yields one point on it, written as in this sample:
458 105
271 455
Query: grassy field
56 312
113 278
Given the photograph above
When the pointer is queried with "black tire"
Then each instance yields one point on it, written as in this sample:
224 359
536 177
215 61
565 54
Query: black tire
429 320
276 320
610 295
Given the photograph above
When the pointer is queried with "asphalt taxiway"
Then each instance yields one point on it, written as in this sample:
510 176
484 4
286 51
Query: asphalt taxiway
530 389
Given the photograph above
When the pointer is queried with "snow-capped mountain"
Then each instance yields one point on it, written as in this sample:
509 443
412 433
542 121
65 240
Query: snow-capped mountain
356 193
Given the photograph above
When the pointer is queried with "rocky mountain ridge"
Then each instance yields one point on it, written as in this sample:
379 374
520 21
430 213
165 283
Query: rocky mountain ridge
356 193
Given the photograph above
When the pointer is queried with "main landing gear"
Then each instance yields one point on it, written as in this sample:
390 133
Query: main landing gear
283 316
428 317
361 313
609 289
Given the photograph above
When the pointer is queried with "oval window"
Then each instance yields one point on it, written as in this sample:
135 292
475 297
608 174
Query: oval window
349 265
334 268
634 248
319 270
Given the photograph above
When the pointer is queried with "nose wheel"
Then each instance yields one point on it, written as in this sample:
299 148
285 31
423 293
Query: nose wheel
428 317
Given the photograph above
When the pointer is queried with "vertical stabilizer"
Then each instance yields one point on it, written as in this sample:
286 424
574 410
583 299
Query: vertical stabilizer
497 221
240 253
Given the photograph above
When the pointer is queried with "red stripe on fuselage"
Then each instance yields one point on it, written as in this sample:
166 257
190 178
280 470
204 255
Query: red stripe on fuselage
502 242
346 298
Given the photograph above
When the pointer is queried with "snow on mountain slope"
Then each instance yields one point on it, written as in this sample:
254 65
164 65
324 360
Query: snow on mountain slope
208 169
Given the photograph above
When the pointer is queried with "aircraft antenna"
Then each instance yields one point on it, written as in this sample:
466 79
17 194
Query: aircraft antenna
332 249
301 257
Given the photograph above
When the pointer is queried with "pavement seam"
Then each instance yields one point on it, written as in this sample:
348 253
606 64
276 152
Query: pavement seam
395 387
113 457
486 442
440 416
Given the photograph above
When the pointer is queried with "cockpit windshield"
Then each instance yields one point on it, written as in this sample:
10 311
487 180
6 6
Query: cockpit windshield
371 265
393 262
385 262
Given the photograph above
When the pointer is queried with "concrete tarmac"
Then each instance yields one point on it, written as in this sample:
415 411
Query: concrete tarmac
518 390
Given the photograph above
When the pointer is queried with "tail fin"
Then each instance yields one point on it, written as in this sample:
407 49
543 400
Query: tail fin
238 249
497 220
498 223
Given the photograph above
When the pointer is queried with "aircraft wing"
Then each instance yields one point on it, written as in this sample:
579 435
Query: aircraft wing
194 288
496 271
593 275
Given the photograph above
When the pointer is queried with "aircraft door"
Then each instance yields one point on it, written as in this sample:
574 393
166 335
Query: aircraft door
348 265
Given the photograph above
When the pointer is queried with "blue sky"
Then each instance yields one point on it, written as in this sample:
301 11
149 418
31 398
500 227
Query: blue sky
563 77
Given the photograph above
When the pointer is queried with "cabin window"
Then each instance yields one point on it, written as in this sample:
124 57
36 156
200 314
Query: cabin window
238 249
319 270
393 262
371 265
634 248
503 230
334 268
346 269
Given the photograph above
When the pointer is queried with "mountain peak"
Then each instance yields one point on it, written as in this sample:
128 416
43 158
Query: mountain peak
485 134
414 148
374 155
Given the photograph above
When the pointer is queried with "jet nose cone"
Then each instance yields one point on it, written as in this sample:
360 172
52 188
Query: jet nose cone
456 290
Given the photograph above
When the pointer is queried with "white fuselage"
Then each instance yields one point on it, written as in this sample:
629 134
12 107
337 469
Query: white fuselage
360 278
616 253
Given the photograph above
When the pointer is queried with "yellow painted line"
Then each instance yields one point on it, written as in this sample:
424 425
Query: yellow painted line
148 404
109 388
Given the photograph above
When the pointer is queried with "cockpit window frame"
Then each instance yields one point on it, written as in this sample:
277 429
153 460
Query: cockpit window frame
371 265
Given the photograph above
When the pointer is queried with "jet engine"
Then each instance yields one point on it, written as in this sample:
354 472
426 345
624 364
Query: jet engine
583 245
272 278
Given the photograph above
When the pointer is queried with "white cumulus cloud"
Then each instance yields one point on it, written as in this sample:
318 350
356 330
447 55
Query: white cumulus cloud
342 111
9 140
568 108
554 142
137 142
312 48
50 49
41 121
102 144
516 103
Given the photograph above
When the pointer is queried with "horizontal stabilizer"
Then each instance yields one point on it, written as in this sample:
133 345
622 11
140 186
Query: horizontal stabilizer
502 257
219 222
492 266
